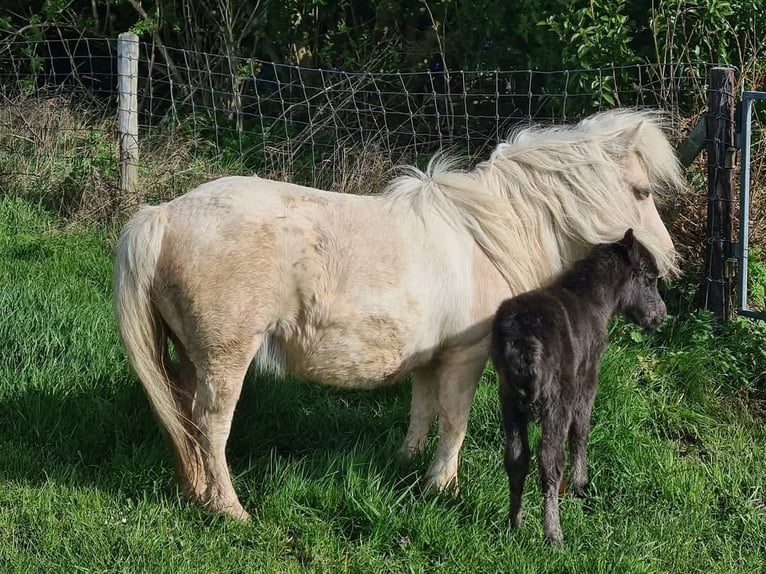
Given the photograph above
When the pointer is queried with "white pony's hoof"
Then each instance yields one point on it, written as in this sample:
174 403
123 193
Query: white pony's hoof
233 510
441 484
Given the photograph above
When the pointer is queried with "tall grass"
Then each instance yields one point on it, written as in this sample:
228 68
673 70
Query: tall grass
677 455
62 152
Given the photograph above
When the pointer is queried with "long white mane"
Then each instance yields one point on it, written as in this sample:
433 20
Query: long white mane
547 194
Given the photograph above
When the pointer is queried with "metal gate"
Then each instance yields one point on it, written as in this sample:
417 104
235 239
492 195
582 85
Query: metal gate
744 142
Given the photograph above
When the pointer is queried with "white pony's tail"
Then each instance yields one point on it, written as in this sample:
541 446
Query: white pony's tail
141 327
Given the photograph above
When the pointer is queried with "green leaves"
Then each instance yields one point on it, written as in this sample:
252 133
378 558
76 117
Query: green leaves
598 34
485 34
144 26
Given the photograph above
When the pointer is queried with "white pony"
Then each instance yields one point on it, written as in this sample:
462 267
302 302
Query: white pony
359 291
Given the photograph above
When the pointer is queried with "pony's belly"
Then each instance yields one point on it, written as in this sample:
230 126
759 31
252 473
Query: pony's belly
340 357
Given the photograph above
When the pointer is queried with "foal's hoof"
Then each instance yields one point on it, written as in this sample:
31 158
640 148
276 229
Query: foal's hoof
580 490
553 534
514 521
554 538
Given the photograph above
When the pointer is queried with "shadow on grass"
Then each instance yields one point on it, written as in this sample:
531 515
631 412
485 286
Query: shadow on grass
108 437
72 412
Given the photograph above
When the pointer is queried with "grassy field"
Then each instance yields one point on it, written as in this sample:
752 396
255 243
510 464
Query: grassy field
677 453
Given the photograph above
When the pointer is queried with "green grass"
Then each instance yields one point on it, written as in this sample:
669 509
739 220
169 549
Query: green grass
677 453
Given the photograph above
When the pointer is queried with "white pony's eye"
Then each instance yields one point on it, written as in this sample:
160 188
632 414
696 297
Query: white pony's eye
642 192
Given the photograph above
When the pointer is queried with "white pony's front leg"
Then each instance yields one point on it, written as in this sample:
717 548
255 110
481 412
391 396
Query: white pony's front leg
457 377
423 409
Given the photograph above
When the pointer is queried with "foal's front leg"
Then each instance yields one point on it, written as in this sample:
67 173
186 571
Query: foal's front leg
578 440
555 422
457 376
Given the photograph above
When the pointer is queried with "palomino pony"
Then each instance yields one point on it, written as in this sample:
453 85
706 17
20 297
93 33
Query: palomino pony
359 291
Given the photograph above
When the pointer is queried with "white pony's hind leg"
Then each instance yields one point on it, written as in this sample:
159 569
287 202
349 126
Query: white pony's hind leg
190 470
218 388
423 409
458 375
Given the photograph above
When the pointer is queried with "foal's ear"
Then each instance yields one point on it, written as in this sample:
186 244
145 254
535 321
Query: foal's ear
628 245
627 239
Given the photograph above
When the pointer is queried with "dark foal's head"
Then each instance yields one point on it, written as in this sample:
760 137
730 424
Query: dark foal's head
640 300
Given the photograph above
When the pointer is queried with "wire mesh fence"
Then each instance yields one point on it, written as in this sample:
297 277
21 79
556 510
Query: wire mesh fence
312 124
57 122
201 115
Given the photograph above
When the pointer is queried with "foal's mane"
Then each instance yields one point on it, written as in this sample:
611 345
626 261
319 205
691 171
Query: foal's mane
546 195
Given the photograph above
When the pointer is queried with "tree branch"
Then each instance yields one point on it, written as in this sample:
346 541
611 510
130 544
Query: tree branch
136 4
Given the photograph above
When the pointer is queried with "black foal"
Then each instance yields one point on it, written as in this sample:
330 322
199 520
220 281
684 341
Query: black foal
546 347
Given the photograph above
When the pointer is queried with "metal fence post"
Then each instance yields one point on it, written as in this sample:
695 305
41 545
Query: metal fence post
744 142
717 280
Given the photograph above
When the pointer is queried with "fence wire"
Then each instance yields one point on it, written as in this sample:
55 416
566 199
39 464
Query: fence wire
316 125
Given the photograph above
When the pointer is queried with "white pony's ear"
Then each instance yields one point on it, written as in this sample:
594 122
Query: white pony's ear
634 175
629 138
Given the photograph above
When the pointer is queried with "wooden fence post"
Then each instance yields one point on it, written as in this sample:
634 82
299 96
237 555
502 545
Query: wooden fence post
717 280
127 77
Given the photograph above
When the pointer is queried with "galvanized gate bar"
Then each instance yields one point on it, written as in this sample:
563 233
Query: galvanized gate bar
744 142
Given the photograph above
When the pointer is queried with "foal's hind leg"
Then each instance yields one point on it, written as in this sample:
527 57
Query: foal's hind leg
555 422
422 412
218 389
516 453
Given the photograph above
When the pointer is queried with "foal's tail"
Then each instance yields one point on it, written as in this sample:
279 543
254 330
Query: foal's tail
142 329
521 359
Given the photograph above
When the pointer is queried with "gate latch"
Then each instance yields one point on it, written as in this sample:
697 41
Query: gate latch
730 270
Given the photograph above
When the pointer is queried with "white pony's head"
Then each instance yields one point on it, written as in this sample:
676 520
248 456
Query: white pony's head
650 168
548 195
592 181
